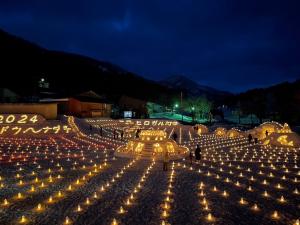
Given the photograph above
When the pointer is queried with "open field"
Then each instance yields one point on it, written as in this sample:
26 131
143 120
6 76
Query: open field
75 179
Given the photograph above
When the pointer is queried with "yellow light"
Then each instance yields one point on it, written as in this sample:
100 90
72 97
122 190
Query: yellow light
67 220
114 222
23 219
282 200
209 217
206 208
95 195
255 207
39 207
79 208
5 202
166 206
19 195
121 211
165 214
275 215
242 201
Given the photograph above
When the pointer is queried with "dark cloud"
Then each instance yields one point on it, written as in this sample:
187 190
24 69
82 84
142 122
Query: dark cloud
228 44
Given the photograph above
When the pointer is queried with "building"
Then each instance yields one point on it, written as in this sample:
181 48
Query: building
132 107
87 104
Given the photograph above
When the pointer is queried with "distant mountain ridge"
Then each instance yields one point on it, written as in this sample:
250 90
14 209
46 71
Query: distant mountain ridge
192 88
69 73
23 64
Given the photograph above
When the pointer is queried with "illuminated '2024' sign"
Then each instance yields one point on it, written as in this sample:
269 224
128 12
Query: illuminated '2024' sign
20 119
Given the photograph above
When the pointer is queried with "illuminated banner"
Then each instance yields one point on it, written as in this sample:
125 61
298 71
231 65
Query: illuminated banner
16 130
149 122
21 119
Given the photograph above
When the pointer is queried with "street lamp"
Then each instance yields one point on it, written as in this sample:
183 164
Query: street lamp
175 107
193 114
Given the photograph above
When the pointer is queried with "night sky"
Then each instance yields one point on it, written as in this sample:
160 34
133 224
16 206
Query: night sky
232 45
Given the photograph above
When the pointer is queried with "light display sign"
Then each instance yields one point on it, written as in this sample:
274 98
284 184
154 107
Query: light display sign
15 130
149 122
18 124
20 119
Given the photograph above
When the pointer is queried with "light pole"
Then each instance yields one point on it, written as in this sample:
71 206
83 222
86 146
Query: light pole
193 113
175 107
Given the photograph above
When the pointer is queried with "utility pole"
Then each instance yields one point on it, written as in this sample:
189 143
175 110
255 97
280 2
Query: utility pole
181 106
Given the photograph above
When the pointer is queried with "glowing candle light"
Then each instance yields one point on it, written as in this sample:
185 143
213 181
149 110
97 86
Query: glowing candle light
282 200
265 182
32 189
67 220
166 206
255 207
165 214
39 207
5 202
23 219
275 215
209 217
114 222
121 211
79 208
242 201
206 208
